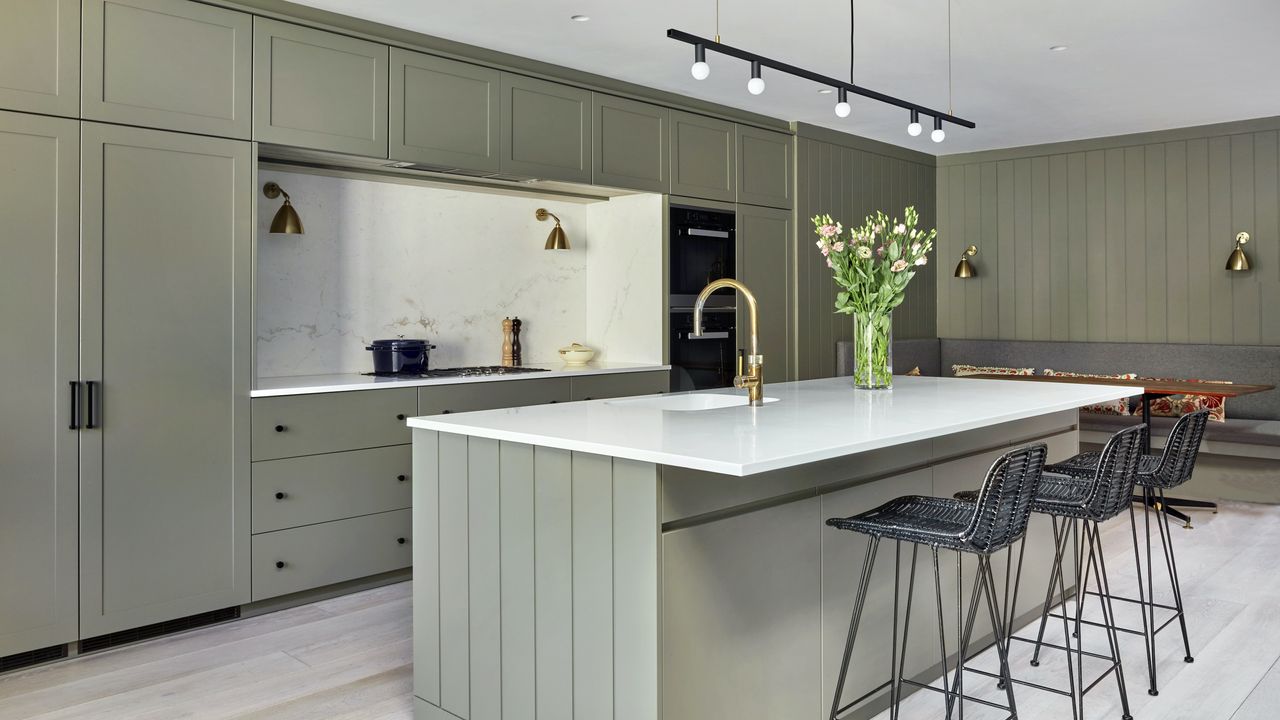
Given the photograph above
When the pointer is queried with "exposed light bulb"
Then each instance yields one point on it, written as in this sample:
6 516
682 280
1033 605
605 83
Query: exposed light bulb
755 85
842 107
914 128
700 69
938 135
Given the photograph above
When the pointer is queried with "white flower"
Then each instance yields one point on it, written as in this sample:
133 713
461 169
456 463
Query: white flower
864 252
898 265
922 260
900 228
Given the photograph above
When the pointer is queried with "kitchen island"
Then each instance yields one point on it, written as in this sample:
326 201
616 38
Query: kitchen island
665 556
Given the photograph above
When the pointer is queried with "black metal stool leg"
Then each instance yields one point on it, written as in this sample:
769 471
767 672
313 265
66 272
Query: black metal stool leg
1059 549
1150 609
868 564
942 637
1142 597
893 631
1000 629
1109 618
1066 632
1166 538
906 626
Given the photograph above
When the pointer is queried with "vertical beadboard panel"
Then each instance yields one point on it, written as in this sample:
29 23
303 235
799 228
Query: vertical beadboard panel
516 510
989 201
1266 230
1246 318
1156 264
943 248
1116 287
1096 233
553 582
485 586
1135 244
592 586
959 239
1077 251
972 210
1004 250
1221 326
1024 250
1059 250
636 589
1177 260
1041 265
426 566
455 625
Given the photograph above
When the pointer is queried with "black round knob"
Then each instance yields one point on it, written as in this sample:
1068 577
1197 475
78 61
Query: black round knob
401 478
279 496
400 540
280 428
279 564
400 416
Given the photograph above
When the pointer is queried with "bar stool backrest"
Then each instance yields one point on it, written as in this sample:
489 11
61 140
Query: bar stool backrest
1004 502
1180 452
1117 470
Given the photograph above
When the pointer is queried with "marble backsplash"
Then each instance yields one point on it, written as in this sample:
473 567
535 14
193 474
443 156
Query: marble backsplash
383 259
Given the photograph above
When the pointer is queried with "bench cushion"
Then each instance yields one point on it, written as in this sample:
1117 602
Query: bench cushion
1242 431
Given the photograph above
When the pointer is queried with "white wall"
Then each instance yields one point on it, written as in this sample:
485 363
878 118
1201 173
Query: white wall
382 259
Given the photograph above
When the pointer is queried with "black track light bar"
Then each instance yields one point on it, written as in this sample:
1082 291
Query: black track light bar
751 57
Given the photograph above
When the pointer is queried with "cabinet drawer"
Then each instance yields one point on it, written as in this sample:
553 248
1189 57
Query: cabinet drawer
290 561
491 395
596 387
319 488
310 424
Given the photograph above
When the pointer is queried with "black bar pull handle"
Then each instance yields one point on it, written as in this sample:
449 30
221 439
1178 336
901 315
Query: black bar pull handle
92 410
75 405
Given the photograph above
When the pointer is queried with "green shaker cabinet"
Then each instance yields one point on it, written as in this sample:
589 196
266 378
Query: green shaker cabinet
164 460
169 64
703 158
443 112
546 129
40 57
630 144
319 90
764 167
765 266
39 209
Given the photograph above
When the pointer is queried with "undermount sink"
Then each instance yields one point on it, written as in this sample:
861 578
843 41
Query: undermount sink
687 402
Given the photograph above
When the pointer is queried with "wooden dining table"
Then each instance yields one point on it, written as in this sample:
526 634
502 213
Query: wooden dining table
1153 388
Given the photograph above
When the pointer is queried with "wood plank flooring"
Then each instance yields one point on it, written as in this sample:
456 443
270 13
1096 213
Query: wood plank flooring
350 658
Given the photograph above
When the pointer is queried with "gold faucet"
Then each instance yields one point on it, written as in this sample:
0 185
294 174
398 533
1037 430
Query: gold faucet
753 381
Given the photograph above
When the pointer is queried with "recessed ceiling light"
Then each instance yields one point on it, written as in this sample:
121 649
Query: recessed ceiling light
1058 48
824 91
579 18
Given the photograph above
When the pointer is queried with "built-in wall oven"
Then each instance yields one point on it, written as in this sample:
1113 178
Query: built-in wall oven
702 250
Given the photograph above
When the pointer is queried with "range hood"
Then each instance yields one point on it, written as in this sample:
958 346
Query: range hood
439 170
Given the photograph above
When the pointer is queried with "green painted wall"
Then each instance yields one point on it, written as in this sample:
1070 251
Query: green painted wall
1115 239
850 177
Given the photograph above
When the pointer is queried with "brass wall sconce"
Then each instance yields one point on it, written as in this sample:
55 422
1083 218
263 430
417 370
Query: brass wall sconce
557 240
965 269
286 221
1238 261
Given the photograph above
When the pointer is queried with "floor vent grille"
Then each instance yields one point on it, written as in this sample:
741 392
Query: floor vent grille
146 632
32 657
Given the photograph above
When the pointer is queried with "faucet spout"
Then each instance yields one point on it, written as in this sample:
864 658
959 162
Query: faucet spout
753 379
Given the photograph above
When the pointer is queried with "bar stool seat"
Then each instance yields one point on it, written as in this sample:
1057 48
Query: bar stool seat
1084 465
914 518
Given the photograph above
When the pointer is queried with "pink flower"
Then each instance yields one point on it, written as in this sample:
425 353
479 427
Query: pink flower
880 251
829 262
827 231
922 260
898 265
825 251
838 246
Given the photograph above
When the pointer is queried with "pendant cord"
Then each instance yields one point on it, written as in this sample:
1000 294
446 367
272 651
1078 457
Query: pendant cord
717 20
852 27
951 100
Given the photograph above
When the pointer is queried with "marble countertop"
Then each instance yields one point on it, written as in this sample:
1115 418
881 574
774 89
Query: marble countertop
311 384
805 422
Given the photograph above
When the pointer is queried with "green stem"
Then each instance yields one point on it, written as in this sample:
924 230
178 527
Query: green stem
872 345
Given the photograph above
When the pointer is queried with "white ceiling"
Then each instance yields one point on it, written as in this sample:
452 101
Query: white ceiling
1130 66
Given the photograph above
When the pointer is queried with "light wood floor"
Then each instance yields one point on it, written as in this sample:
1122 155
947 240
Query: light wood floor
350 657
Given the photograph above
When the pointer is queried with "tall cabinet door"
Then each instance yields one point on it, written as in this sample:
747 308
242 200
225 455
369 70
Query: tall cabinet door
765 266
39 211
165 468
40 56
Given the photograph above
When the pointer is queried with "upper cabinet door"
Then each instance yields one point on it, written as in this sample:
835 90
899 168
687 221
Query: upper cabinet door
443 112
702 157
630 148
319 90
765 245
764 167
546 129
40 57
168 64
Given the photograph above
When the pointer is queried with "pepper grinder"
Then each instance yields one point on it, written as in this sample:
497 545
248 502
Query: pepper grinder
516 355
508 355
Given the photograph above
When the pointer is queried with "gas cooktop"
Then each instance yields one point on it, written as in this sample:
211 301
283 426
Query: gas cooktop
478 371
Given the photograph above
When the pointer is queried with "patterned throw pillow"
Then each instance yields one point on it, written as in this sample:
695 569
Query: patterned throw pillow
914 372
1114 407
1179 405
963 370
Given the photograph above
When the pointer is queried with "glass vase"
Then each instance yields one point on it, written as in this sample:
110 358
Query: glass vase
873 350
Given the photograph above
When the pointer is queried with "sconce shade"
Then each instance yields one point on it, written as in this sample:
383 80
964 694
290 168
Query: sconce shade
1237 261
965 268
286 221
557 240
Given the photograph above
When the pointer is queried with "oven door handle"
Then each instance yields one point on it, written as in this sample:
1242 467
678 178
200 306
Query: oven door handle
714 335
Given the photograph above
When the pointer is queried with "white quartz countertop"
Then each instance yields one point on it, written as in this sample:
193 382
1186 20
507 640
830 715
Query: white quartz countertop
808 422
311 384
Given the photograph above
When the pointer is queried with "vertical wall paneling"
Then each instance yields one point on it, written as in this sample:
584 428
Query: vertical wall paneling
485 592
1124 241
426 566
516 511
455 624
636 529
592 498
553 581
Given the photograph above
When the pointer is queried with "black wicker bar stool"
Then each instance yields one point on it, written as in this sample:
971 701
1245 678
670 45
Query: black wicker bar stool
1156 473
1071 502
997 519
